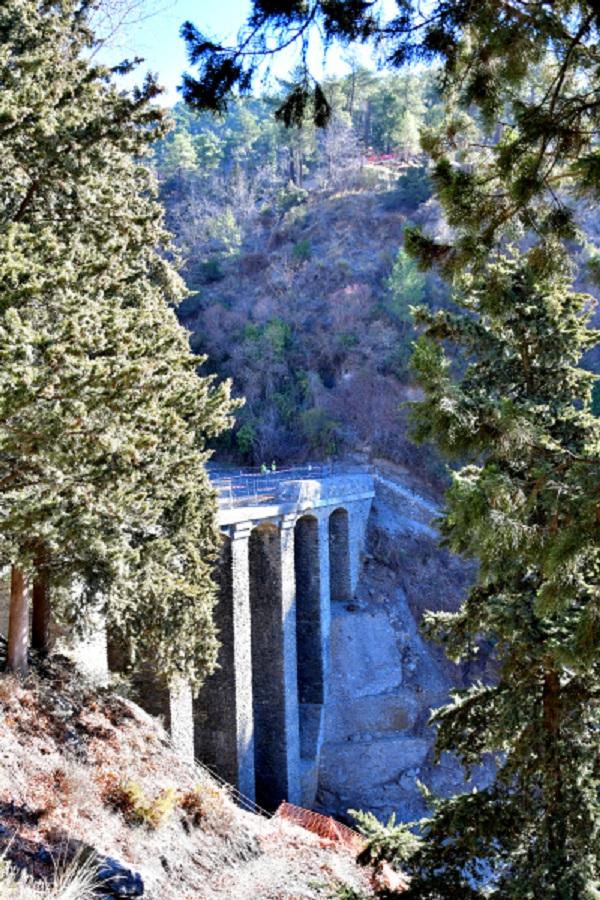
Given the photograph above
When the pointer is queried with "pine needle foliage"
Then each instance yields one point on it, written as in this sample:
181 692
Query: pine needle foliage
389 842
104 419
524 502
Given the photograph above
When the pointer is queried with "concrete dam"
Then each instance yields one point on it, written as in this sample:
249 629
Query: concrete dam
292 545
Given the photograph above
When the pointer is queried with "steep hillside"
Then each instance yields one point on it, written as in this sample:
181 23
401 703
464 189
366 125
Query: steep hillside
291 242
86 774
306 321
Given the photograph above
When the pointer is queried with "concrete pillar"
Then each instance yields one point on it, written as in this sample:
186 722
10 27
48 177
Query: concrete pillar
290 658
223 723
181 719
310 648
325 598
274 667
308 631
358 513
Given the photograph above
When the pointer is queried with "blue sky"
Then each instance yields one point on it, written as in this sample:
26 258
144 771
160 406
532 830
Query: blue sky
156 38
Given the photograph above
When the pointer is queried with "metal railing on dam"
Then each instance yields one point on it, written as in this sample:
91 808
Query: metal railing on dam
255 486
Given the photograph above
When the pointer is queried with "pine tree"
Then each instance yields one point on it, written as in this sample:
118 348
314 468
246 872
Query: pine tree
103 416
179 154
524 502
406 284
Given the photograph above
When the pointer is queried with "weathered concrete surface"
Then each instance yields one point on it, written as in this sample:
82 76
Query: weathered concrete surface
282 653
372 658
357 767
224 730
384 677
181 719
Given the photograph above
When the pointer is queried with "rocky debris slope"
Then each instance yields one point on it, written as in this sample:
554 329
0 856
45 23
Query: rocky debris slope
85 773
385 677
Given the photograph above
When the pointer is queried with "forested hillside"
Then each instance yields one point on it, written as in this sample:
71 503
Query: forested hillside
291 244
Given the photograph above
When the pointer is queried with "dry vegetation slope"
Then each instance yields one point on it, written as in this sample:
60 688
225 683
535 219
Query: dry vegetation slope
303 320
87 773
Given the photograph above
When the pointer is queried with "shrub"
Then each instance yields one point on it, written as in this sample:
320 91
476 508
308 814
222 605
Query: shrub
302 250
246 438
278 333
372 178
136 807
251 332
198 803
406 285
208 271
409 192
192 804
397 361
286 405
290 196
414 187
392 201
390 842
349 339
342 891
252 263
75 881
320 430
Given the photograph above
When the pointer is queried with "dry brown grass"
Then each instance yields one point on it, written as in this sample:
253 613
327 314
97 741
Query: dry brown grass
62 745
73 882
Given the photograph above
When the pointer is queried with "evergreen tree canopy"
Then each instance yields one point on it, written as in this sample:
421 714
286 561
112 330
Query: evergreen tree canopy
103 416
525 503
489 51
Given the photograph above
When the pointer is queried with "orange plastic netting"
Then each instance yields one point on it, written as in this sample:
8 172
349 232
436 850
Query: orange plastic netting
384 877
324 826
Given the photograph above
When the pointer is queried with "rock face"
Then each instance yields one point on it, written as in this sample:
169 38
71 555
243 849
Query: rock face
384 677
117 881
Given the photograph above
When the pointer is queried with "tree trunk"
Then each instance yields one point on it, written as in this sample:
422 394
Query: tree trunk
367 131
40 626
352 92
553 776
18 624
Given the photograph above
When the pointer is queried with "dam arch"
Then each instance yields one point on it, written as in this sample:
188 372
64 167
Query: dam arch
276 585
339 556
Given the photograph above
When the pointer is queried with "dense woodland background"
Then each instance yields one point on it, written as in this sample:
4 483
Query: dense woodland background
291 247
